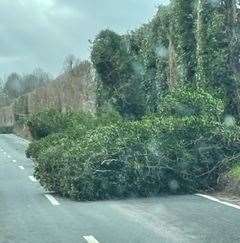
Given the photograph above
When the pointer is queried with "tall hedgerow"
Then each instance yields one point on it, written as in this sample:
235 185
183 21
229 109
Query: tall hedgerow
183 24
117 83
202 50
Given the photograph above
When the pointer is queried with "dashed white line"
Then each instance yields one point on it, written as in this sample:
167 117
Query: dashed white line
217 200
52 200
9 156
14 161
90 239
32 178
21 167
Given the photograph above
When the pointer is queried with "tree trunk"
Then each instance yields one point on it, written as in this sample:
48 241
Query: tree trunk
201 33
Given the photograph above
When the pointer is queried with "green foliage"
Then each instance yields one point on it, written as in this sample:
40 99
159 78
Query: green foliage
169 151
6 130
182 29
116 83
52 121
36 147
202 51
235 172
132 69
144 48
110 58
191 102
61 127
45 123
217 49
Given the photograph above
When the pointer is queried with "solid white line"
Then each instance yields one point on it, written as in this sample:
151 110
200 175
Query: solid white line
217 200
90 239
21 167
52 200
208 197
32 178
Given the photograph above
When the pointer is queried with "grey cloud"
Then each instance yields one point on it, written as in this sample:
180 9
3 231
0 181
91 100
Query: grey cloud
42 32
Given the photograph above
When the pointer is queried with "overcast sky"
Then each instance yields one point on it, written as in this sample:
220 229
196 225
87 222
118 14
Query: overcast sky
40 33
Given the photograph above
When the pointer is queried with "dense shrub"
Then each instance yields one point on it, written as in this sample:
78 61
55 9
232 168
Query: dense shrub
52 121
235 173
76 126
36 147
191 102
140 158
164 152
6 130
45 123
48 122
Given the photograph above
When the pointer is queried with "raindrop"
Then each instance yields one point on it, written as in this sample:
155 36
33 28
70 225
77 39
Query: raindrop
229 121
173 185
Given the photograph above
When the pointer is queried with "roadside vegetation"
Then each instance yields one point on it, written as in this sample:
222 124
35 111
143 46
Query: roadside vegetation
6 130
167 110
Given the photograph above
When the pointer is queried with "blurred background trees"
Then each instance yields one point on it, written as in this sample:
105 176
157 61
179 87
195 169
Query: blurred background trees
18 84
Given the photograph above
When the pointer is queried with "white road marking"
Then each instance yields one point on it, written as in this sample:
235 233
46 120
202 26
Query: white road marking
52 200
217 200
21 167
32 178
5 152
14 161
9 156
90 239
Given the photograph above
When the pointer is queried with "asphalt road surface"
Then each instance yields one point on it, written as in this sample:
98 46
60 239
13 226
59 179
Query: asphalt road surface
28 214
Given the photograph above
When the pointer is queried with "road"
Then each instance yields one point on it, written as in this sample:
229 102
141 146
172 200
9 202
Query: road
29 215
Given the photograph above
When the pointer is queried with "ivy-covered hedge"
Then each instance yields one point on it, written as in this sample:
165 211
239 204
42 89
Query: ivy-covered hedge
160 153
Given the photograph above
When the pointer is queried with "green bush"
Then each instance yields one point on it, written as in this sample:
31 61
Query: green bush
6 130
36 147
45 123
162 153
76 126
235 172
133 158
191 102
48 122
